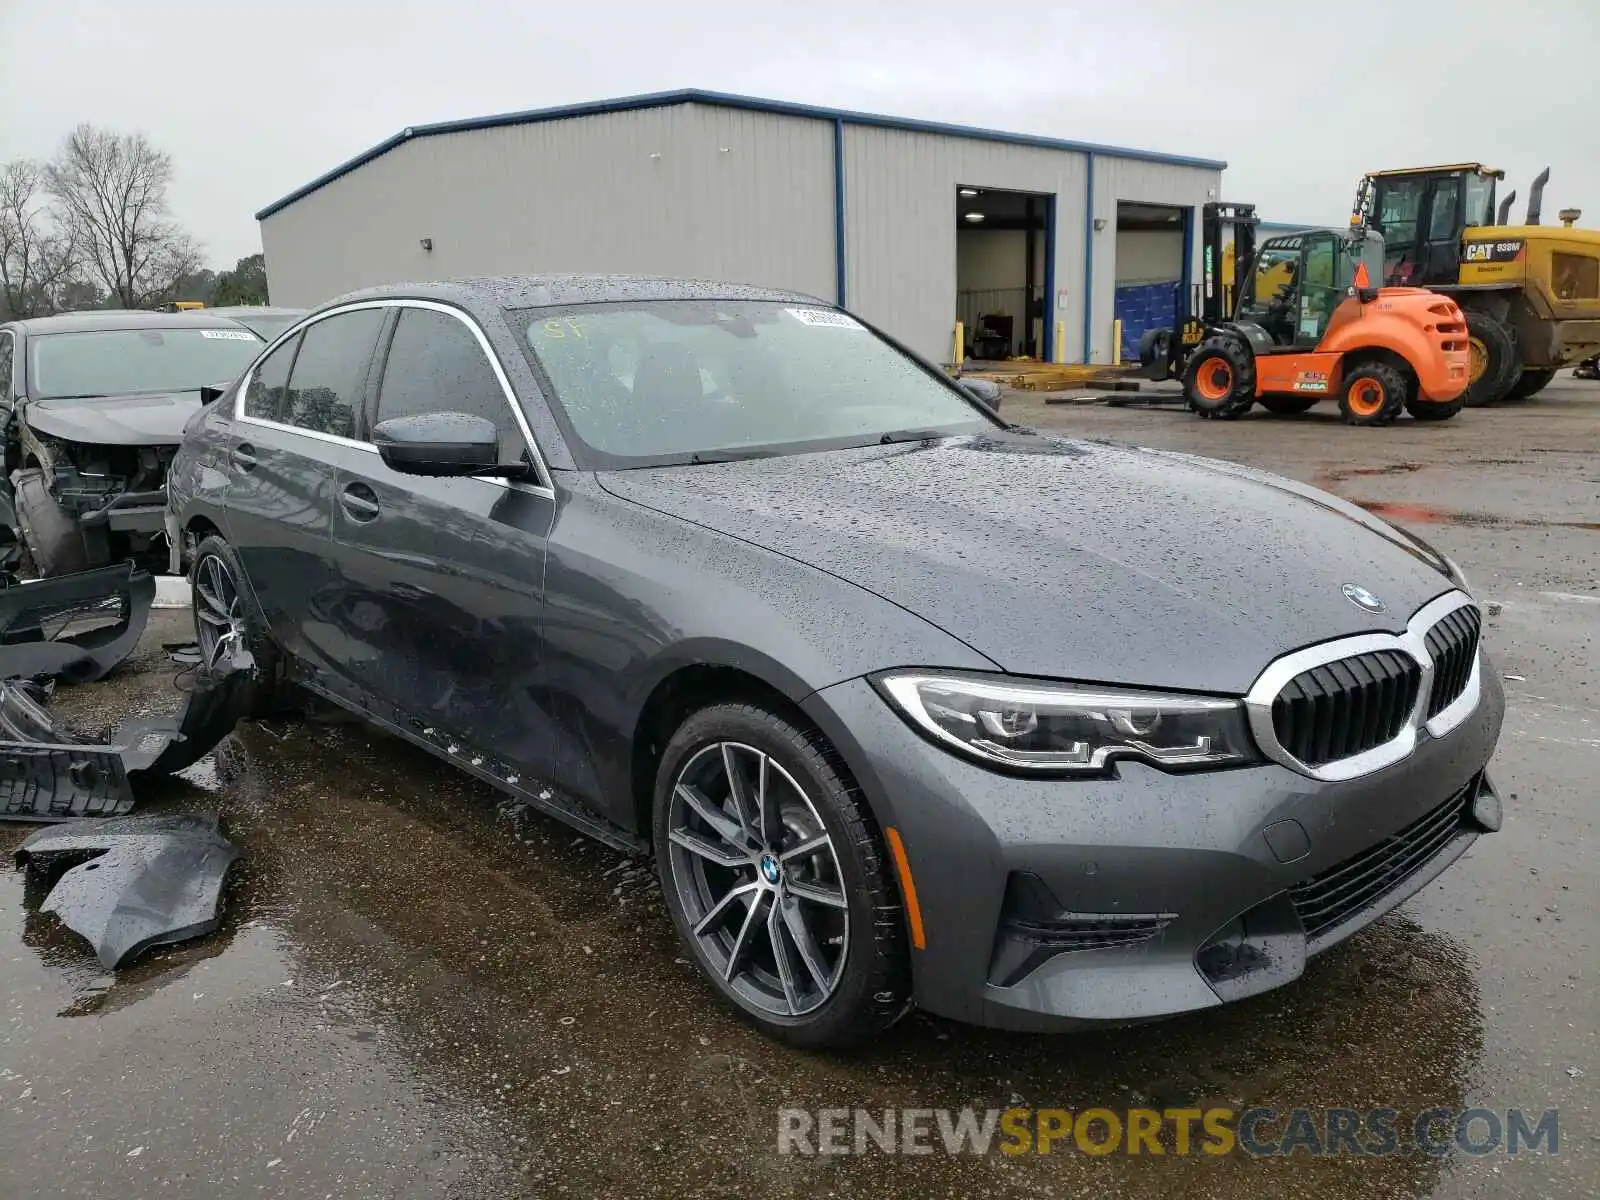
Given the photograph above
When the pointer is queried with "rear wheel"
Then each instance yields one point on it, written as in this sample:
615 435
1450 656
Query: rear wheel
1287 406
1220 380
1372 394
776 878
53 539
1493 360
1530 383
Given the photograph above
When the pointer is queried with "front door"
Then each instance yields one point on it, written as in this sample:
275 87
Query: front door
441 580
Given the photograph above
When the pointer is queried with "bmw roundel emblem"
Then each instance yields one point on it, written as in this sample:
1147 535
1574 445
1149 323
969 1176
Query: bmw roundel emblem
770 870
1361 598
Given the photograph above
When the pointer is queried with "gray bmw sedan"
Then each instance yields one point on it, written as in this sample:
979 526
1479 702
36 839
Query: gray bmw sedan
910 705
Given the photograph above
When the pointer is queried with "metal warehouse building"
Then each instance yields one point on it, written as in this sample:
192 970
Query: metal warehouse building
1035 244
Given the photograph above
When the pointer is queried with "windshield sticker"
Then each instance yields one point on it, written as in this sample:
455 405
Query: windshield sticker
228 335
822 317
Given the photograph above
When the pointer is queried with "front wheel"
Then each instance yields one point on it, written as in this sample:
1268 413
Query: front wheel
776 879
1220 380
1493 359
1373 394
225 618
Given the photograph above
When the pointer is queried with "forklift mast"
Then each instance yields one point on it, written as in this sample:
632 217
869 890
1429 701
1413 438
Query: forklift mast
1220 224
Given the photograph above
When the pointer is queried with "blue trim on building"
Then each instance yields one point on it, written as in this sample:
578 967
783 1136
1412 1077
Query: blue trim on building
728 100
1049 354
1088 259
1186 280
839 259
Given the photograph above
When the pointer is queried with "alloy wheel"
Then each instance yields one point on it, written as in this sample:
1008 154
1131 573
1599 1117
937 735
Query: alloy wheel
757 878
218 611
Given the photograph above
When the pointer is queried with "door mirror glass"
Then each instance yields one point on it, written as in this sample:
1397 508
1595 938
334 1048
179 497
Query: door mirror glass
440 444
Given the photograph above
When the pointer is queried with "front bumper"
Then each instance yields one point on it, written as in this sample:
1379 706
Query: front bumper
1184 891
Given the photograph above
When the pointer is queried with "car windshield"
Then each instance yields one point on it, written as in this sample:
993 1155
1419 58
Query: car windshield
685 380
113 362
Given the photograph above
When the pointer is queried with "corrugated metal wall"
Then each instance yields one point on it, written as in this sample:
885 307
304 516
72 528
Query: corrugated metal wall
690 190
900 224
1144 182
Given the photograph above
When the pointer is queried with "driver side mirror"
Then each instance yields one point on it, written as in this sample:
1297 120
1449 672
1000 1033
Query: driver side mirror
442 444
985 391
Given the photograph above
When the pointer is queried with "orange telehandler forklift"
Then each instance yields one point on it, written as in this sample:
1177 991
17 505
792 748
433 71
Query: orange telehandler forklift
1303 323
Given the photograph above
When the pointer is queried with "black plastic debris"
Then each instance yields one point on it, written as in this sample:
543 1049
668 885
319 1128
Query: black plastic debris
131 883
49 772
77 627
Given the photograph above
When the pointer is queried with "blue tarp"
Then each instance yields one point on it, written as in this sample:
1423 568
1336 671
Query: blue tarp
1142 306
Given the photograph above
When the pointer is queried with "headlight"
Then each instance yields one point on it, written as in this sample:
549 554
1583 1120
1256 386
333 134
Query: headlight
1066 729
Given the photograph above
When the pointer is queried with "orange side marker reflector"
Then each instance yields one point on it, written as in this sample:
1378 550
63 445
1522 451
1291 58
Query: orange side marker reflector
1363 280
908 889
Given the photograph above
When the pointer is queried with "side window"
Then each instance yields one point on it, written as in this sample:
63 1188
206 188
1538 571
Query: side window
435 364
1442 217
7 355
330 372
264 397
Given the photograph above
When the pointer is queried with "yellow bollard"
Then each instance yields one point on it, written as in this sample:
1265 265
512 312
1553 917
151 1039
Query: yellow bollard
959 357
1060 345
1116 343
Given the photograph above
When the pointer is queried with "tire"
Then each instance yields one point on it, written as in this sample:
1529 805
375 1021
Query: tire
1220 380
208 603
1495 358
1433 410
1287 406
1530 383
853 993
1373 394
1155 349
53 539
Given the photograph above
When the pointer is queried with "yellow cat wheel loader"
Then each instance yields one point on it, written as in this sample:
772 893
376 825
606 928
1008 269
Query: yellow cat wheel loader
1530 292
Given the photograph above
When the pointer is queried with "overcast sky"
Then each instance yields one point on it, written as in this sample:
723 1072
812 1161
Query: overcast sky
253 99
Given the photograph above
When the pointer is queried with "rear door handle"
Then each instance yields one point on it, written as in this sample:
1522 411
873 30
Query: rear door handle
360 502
244 457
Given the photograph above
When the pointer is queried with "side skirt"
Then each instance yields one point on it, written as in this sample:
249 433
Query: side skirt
480 764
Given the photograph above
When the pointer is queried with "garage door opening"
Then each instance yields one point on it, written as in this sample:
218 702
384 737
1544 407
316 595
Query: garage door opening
1150 270
1003 246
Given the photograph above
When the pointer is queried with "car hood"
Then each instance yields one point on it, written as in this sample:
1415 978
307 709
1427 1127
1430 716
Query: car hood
1067 559
151 419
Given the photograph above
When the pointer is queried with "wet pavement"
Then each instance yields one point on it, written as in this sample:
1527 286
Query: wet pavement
418 993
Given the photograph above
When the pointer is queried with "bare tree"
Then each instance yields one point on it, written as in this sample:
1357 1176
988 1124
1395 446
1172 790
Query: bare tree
37 256
111 193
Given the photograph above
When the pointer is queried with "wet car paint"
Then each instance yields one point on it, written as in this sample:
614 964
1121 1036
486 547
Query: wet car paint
422 1047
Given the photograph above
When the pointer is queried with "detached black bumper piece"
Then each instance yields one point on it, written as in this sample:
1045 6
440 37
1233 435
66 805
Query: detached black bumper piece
131 883
76 627
50 773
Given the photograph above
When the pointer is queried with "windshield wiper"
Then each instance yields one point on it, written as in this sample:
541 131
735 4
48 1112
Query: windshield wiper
913 435
701 458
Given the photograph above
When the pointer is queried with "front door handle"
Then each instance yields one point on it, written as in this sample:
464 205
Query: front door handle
244 456
360 502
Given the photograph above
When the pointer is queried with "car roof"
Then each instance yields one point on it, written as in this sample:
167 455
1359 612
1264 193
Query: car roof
94 320
541 291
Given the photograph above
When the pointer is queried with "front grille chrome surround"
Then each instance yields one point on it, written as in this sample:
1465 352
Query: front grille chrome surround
1413 643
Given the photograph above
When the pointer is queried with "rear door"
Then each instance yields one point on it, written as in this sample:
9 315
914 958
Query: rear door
442 580
301 408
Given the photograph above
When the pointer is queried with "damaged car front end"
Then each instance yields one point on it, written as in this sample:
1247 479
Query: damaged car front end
95 407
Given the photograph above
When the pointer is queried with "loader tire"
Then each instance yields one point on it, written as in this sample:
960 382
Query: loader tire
1530 383
1287 406
1496 361
53 539
1220 380
1434 410
1373 394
